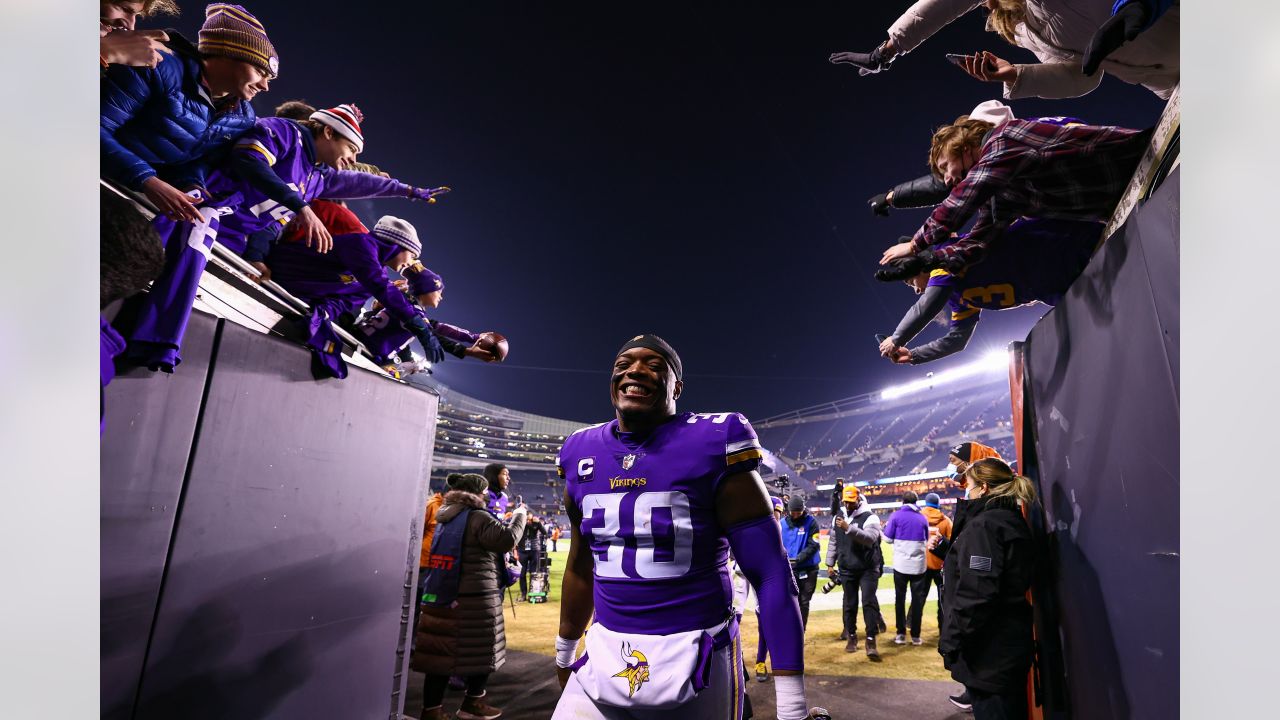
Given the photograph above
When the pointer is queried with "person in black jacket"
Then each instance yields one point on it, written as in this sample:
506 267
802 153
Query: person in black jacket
532 548
854 542
986 640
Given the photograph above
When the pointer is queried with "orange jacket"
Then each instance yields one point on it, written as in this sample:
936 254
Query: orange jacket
429 527
943 524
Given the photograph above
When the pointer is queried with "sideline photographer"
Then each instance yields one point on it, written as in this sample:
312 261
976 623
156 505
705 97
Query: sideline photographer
855 544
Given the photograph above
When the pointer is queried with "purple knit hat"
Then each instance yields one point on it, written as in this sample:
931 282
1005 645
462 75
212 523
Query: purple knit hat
424 281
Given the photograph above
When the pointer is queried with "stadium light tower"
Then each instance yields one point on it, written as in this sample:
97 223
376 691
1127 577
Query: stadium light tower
994 361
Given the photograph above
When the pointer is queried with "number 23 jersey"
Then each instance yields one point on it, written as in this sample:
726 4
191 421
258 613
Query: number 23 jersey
660 559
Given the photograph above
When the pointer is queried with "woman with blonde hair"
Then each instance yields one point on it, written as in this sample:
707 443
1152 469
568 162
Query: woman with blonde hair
1066 36
985 639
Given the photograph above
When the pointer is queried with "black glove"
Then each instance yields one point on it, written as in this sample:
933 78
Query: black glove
909 267
880 205
1125 25
430 345
867 63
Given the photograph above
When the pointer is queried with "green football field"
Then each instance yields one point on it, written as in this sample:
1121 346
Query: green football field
533 628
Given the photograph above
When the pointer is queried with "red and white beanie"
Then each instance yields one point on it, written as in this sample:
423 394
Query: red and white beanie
344 120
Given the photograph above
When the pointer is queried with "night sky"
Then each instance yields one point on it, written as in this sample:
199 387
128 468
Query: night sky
696 172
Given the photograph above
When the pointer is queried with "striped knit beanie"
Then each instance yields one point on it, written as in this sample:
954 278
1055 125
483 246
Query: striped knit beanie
398 232
231 31
344 120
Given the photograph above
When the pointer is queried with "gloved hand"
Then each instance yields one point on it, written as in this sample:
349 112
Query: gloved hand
1125 25
430 345
910 267
427 194
880 205
867 63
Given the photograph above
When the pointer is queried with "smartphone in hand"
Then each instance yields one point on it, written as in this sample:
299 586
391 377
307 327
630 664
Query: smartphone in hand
957 60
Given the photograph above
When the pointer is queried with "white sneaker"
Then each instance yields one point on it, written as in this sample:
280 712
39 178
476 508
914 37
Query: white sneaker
917 641
899 639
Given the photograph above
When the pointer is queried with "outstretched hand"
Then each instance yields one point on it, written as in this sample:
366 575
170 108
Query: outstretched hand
480 353
313 231
428 194
985 66
880 204
1125 25
867 63
897 252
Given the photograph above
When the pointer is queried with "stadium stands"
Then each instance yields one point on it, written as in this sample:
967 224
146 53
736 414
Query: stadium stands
868 439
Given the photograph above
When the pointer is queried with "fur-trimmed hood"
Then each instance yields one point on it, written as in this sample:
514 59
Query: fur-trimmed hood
455 501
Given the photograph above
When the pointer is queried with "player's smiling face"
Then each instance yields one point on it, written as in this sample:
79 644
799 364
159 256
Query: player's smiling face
644 385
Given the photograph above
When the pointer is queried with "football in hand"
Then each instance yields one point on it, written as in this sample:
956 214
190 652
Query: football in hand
494 343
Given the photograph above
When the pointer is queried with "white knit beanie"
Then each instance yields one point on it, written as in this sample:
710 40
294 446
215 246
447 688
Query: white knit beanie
394 230
992 111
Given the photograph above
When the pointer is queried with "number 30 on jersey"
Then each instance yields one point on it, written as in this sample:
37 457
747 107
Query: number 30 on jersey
659 525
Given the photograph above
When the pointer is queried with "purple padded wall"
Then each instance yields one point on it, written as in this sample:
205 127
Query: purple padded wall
1102 373
150 423
294 543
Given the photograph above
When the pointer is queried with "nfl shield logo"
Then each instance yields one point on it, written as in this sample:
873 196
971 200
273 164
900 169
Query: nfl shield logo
628 461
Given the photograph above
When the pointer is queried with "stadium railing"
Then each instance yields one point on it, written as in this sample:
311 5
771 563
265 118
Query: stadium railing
230 288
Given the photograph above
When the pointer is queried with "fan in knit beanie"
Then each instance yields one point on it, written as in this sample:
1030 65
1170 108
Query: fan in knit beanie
231 31
423 281
398 232
344 120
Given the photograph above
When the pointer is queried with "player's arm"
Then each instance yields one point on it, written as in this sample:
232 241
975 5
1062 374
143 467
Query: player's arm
577 601
746 516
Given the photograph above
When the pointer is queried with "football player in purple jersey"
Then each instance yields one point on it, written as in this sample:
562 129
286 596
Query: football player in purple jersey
656 499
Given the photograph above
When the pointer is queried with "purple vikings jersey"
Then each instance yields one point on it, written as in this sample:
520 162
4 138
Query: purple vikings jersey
661 561
1035 261
383 335
234 210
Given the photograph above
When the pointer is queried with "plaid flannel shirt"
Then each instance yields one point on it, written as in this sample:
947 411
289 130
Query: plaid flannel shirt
1032 169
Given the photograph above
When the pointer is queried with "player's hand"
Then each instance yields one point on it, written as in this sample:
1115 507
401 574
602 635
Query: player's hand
170 201
901 356
314 233
985 66
136 48
897 252
562 674
887 347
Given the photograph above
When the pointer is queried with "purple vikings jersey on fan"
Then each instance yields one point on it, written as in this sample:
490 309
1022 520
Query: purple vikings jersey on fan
648 515
1036 261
